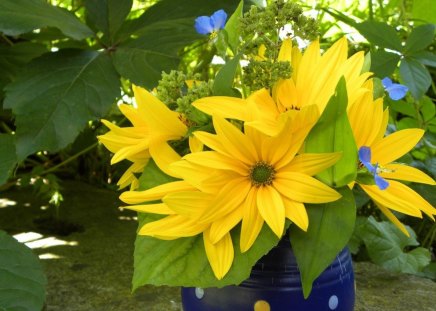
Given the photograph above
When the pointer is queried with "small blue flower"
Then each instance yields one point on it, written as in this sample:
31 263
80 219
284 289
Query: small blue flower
396 91
365 159
209 24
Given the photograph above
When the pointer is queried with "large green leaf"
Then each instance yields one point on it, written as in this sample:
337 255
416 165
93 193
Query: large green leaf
21 16
330 228
107 16
384 63
415 76
386 245
424 10
142 60
223 84
381 34
57 95
420 37
8 158
333 133
425 57
183 262
233 27
22 281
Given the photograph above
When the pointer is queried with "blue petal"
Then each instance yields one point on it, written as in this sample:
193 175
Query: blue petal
218 19
386 82
364 154
381 182
397 91
203 25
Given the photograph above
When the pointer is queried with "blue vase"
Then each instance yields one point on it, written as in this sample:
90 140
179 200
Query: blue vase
274 285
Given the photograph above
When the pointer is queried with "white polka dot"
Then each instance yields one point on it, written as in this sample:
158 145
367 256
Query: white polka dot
333 302
199 292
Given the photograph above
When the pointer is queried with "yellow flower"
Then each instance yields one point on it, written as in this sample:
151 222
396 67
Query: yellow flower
369 122
313 81
246 177
153 124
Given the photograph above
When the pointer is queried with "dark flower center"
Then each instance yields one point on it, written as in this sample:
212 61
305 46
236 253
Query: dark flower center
262 174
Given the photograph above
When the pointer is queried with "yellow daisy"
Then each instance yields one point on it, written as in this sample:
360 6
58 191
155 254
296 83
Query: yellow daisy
313 81
246 177
153 125
378 153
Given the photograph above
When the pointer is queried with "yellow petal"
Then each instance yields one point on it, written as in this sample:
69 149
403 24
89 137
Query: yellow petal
285 51
195 145
159 208
223 106
128 176
312 163
252 222
214 160
188 203
296 212
219 228
271 208
164 156
303 188
172 226
404 172
220 254
395 145
156 193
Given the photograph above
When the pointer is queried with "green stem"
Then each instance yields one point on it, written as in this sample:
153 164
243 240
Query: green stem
73 157
7 40
371 12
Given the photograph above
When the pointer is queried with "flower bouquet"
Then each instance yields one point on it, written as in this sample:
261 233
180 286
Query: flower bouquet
272 144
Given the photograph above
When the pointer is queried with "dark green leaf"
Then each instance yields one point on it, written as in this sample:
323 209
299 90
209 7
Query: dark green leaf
386 246
8 158
223 84
57 95
407 123
420 37
384 63
15 56
142 60
152 176
381 34
21 16
22 281
107 15
183 262
428 109
404 107
233 27
356 239
425 57
330 228
415 76
333 133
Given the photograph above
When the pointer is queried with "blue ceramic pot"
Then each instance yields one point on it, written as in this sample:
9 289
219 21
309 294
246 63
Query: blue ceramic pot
274 285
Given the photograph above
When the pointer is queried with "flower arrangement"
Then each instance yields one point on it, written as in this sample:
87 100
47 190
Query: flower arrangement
272 145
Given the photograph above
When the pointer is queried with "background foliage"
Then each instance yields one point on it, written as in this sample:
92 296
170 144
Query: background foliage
66 64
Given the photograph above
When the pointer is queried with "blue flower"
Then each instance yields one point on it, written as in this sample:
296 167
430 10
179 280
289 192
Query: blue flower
365 159
396 91
209 24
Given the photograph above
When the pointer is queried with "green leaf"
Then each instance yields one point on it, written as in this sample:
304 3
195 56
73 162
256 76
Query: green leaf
223 84
107 15
142 60
22 281
381 34
415 76
330 228
152 176
386 246
333 133
420 38
407 123
425 57
428 109
55 97
233 27
183 262
8 158
384 63
21 16
17 55
404 107
366 63
424 10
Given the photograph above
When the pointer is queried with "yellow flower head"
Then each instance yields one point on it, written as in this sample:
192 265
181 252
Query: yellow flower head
378 153
247 178
153 124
